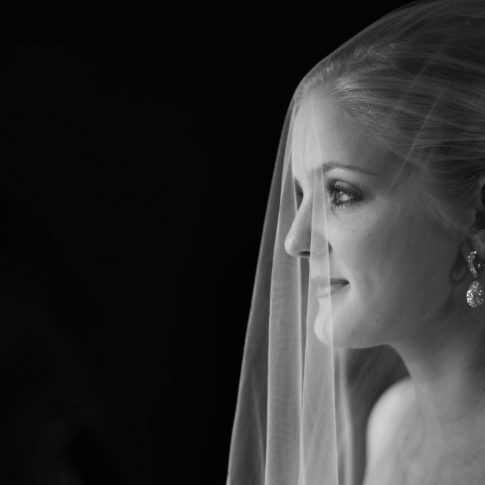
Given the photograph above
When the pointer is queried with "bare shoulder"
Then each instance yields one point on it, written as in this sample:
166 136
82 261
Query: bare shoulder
386 417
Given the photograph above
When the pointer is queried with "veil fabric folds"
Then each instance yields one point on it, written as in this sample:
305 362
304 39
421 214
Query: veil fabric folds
295 421
281 435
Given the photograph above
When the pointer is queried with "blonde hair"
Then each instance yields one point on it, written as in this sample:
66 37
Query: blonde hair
415 81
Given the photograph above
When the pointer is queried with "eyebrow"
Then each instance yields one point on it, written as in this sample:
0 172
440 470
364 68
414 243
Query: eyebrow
327 166
332 165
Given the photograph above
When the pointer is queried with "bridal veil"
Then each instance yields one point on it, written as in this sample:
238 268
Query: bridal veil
303 401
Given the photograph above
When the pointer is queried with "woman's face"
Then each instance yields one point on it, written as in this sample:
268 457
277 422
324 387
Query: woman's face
395 258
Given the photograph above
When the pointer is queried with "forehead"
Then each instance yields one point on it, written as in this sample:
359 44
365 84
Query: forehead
323 133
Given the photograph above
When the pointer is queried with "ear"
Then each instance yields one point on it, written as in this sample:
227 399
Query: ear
477 217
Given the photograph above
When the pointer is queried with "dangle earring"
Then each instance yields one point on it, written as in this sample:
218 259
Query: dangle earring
474 294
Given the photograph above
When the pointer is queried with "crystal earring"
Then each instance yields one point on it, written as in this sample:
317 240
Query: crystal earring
474 294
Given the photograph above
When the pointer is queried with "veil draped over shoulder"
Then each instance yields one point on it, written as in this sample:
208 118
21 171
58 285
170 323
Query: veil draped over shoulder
304 399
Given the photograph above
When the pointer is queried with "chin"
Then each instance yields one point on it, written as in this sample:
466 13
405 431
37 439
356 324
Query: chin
326 329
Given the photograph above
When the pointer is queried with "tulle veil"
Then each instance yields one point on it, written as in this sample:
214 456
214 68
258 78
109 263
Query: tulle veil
302 404
293 419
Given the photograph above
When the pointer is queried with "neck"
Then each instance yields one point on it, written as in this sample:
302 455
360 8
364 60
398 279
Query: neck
447 368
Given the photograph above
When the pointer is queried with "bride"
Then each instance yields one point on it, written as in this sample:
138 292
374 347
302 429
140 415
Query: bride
364 359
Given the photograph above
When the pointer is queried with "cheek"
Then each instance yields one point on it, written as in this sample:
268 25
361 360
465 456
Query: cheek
385 261
358 256
397 263
399 277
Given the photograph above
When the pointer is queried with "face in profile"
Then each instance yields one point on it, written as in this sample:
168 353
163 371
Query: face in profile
392 259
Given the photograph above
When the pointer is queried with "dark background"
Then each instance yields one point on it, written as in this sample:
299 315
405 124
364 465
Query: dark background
137 159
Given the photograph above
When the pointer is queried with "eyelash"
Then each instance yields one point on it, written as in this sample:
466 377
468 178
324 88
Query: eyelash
333 188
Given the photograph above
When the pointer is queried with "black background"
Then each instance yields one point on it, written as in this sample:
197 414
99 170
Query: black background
137 158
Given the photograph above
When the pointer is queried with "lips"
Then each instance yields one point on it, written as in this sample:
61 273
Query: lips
325 282
327 286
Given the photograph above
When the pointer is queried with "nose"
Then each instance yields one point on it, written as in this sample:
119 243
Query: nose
298 241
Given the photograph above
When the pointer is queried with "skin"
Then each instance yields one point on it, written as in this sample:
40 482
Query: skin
406 275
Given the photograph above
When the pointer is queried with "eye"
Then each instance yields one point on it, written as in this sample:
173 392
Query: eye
342 195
